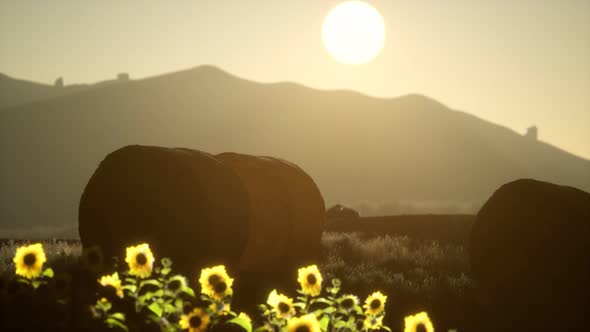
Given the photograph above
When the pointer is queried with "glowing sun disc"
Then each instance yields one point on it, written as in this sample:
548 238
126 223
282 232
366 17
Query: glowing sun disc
353 32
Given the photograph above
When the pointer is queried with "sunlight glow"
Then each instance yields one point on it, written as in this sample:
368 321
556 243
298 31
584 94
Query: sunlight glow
353 32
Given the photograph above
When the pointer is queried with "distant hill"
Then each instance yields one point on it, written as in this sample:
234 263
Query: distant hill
17 92
357 148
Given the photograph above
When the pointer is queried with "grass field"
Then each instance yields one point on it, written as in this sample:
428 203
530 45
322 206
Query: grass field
416 274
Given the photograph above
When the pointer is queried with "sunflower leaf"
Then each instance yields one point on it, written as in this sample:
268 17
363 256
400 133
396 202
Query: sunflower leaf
111 322
156 308
118 315
324 323
152 282
242 322
189 291
48 272
131 288
131 281
165 271
322 300
386 328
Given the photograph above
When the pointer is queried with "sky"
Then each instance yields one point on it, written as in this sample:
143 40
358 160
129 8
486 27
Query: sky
515 63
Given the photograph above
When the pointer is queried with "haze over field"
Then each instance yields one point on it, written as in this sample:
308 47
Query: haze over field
357 148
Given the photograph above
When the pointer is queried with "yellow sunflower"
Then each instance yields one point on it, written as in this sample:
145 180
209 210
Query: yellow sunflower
112 281
195 321
29 260
419 322
347 302
310 279
375 303
374 322
281 304
215 282
140 260
176 284
305 323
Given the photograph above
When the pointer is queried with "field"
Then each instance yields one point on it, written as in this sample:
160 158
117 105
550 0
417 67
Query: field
414 271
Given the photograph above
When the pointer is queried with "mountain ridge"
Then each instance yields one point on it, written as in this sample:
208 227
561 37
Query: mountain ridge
358 148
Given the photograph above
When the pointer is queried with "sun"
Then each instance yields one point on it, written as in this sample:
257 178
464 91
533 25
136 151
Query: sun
353 32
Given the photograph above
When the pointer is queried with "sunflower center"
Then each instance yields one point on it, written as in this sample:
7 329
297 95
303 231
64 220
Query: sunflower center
284 307
213 279
302 328
174 285
375 304
311 279
195 321
30 259
93 258
421 328
220 287
141 259
347 303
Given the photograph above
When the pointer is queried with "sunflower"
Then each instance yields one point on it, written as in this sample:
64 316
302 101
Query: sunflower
374 322
347 302
310 279
215 282
375 303
176 284
281 305
140 260
112 281
29 260
305 323
418 323
195 321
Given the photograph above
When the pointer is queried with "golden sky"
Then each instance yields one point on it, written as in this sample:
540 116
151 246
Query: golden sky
516 63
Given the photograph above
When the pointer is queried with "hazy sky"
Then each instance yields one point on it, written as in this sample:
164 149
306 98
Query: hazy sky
516 63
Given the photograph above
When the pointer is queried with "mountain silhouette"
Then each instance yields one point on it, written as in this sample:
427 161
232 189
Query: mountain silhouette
356 147
16 92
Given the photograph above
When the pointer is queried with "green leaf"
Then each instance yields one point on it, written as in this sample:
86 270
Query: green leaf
131 281
322 300
386 328
131 288
165 271
188 291
261 329
48 273
169 308
36 283
118 315
152 282
324 323
156 308
334 290
299 305
245 324
111 322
